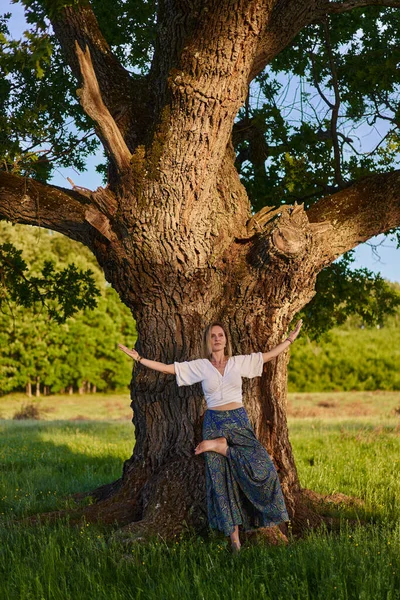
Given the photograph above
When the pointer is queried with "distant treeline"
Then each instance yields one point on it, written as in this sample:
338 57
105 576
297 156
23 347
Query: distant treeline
348 358
40 356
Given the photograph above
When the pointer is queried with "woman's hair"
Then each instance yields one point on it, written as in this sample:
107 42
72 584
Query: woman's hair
207 340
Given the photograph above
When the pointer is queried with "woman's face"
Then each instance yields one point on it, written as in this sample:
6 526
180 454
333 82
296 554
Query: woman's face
218 338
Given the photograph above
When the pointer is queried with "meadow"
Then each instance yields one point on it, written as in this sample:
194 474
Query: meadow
345 443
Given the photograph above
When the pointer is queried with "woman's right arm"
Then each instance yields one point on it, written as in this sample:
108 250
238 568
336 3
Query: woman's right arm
150 364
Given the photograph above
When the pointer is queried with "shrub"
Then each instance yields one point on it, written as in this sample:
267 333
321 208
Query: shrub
28 411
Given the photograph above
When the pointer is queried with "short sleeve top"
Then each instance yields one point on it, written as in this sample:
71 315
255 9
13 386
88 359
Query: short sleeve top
220 389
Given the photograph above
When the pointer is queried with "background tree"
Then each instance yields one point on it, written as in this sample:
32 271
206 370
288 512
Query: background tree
38 351
174 229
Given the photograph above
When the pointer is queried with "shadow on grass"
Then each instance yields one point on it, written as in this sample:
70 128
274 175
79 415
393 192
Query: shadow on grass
37 475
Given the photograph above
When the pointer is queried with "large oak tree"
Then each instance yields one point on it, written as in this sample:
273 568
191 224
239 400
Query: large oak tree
175 229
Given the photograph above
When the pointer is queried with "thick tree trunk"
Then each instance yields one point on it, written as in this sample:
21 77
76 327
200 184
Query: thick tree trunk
255 285
162 489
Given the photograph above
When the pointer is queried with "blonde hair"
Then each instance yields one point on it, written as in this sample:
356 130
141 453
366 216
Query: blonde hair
207 340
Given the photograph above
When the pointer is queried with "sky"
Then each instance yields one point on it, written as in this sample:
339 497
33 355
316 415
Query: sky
378 255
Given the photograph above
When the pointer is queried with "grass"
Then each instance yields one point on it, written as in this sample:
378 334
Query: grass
354 458
376 406
41 462
99 407
62 563
116 407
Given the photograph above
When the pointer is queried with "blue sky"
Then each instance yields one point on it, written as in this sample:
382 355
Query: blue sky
379 254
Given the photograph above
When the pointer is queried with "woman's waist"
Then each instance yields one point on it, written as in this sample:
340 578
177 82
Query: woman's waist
228 419
226 407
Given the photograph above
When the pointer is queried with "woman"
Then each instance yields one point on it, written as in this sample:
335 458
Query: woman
241 481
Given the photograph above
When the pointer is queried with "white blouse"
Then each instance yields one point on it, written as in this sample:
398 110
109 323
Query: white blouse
220 389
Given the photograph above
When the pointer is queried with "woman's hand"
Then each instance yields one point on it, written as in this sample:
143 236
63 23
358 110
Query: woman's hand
293 334
132 353
146 362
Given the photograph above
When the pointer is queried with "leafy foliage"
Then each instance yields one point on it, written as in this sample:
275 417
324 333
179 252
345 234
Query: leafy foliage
62 292
41 122
292 105
342 292
79 352
352 357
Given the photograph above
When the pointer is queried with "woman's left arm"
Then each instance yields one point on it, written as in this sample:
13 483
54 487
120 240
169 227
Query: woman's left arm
284 345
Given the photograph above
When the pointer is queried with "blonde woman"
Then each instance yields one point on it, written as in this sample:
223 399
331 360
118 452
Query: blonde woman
241 480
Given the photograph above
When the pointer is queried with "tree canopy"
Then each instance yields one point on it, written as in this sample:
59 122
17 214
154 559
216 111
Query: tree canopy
322 115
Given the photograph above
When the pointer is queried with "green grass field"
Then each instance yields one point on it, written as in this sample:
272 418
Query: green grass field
44 461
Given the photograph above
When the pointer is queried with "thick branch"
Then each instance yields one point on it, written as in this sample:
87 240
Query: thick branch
29 202
93 105
366 209
287 19
121 94
330 8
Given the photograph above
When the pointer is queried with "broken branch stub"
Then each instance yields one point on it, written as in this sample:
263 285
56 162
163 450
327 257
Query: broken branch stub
92 103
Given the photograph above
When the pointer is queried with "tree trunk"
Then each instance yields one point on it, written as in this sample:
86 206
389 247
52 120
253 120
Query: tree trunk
37 394
28 389
162 489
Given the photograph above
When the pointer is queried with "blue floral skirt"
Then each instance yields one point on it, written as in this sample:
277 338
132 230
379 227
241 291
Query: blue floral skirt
242 488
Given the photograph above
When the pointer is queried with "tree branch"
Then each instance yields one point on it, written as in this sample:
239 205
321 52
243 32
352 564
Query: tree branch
122 95
290 17
316 83
335 107
92 103
27 201
357 213
287 19
330 8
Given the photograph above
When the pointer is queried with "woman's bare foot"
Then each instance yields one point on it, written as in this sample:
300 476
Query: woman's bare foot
219 445
235 540
236 547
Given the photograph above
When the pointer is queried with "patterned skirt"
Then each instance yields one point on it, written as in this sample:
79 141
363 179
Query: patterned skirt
242 488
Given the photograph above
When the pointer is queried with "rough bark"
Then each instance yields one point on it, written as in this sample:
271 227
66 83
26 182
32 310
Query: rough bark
175 236
355 214
26 201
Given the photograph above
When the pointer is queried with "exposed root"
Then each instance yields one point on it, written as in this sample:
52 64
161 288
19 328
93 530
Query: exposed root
337 499
101 493
167 503
118 503
314 510
271 536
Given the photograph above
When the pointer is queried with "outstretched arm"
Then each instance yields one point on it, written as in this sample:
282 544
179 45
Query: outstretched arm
150 364
267 356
